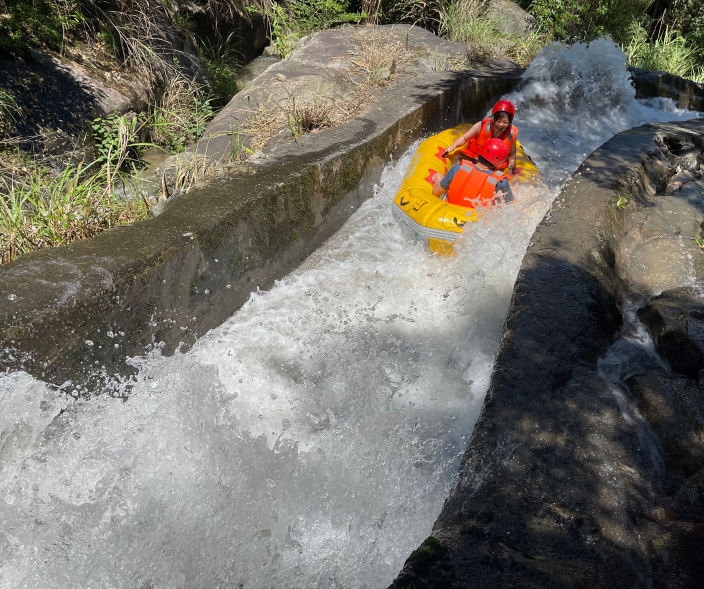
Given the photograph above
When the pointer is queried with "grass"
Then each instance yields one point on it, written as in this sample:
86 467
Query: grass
466 21
9 111
669 53
180 118
381 53
223 61
38 210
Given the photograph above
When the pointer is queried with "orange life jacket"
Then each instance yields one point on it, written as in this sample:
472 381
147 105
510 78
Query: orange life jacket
475 144
472 187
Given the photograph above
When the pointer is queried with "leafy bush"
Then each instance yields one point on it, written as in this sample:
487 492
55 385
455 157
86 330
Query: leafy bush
298 18
116 141
28 23
580 20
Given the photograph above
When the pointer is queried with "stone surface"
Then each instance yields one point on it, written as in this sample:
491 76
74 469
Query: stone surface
676 321
322 69
58 96
196 263
687 94
511 18
563 483
674 407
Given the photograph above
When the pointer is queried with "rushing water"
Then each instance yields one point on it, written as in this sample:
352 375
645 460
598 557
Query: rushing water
310 440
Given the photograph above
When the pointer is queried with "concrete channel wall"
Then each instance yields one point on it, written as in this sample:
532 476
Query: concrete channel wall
76 312
564 484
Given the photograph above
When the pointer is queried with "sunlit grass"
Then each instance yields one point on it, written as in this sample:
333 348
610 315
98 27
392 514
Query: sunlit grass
467 21
669 53
38 210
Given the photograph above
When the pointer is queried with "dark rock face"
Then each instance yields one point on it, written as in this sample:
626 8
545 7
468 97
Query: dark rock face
676 320
674 407
570 479
685 93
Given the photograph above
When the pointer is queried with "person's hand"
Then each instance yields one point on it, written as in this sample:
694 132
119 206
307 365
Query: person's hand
512 166
445 154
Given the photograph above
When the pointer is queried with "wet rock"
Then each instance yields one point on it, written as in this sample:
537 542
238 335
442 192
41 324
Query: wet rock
686 150
426 567
674 407
686 93
687 504
677 556
676 320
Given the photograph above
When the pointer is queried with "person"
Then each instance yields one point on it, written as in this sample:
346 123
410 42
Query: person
498 127
472 184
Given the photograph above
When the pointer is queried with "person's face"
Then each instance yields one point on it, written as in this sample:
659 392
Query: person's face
501 122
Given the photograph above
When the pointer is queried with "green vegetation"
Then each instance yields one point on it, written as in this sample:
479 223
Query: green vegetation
127 31
223 62
25 24
656 35
467 21
181 116
40 210
294 19
8 113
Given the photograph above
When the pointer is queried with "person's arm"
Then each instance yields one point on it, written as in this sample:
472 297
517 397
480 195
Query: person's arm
512 159
471 134
442 183
504 191
437 189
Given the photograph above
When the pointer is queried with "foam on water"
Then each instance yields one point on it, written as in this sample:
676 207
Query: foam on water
573 99
311 440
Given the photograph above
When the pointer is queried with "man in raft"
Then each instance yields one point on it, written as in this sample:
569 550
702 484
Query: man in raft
475 184
498 127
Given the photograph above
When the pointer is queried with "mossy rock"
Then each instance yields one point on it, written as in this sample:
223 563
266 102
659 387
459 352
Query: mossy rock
426 568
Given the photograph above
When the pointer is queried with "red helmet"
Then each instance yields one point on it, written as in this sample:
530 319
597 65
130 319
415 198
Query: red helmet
504 106
494 151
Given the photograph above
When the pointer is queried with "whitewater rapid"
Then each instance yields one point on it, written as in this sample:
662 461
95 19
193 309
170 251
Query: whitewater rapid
311 439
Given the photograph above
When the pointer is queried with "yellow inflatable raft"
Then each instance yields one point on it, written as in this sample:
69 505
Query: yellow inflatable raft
432 221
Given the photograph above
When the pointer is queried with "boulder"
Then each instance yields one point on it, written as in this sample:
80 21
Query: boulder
676 320
511 18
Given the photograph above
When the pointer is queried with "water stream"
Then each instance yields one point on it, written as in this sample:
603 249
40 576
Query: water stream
310 440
